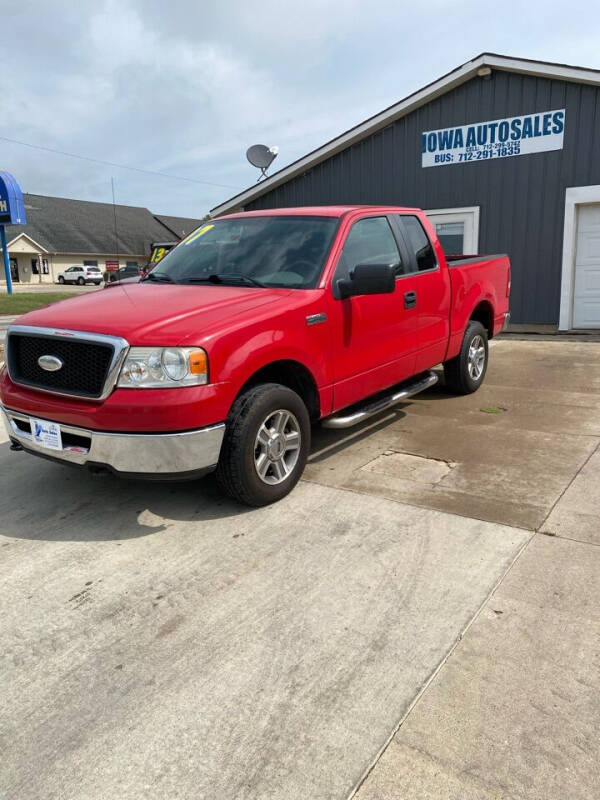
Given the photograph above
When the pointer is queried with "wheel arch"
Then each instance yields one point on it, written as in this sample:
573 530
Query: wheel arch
293 374
484 313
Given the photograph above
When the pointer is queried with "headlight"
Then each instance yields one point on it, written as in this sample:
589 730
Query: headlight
164 367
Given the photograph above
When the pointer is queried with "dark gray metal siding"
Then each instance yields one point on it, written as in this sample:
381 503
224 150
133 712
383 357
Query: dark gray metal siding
521 198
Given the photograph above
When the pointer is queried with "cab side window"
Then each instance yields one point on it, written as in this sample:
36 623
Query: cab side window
370 241
418 242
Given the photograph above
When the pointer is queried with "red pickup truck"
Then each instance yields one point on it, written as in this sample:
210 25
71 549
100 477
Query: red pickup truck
254 327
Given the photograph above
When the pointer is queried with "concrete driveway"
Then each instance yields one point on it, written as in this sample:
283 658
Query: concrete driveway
394 628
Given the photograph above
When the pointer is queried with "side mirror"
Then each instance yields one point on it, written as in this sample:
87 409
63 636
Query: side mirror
368 279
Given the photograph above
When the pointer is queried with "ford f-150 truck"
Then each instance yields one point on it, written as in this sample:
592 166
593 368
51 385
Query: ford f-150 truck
254 327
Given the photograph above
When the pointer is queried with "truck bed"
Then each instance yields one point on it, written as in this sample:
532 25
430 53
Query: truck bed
462 259
477 280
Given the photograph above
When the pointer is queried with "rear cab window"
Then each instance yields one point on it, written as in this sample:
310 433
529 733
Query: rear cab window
417 241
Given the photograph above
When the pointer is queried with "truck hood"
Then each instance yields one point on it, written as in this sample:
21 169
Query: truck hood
150 314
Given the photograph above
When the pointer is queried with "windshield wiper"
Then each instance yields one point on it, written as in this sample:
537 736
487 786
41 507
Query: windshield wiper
160 276
227 277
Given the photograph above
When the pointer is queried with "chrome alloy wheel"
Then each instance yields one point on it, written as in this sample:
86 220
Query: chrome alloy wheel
476 358
277 447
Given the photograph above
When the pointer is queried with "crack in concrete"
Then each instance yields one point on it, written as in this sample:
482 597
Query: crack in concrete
562 494
536 532
441 665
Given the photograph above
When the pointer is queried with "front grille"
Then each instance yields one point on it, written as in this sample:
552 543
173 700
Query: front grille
85 364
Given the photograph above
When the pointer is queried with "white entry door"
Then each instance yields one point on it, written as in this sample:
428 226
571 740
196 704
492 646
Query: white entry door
457 229
586 296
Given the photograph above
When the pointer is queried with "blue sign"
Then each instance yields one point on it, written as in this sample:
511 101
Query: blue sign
498 138
12 212
12 205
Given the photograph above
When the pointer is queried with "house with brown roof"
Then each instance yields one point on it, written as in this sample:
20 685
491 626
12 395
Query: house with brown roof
61 233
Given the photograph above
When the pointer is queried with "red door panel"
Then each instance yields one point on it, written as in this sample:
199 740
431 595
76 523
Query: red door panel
432 285
374 347
374 335
433 324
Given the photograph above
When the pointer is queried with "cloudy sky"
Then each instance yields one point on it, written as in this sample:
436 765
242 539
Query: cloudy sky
183 87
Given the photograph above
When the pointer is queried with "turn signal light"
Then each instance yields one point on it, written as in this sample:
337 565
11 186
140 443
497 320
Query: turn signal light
198 362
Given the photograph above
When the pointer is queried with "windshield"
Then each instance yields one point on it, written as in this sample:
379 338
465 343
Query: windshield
284 251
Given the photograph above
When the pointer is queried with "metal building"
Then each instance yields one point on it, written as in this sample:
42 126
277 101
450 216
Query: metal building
502 153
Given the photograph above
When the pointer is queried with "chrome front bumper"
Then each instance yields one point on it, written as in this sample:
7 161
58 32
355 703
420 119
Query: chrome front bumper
156 455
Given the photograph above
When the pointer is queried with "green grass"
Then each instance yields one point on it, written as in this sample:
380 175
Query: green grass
13 304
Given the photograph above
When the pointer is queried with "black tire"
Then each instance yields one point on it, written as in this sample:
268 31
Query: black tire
97 283
81 281
457 372
237 472
61 279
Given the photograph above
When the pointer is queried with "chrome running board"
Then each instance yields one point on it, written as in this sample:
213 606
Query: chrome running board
348 420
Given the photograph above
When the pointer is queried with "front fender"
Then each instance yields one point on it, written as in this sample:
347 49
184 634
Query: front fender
235 357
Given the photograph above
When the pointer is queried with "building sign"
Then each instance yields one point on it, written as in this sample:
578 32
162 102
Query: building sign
111 266
500 138
12 205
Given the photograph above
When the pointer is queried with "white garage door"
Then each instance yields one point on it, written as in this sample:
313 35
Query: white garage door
586 297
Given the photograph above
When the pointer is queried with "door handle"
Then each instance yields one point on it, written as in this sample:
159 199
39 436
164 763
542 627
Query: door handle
410 299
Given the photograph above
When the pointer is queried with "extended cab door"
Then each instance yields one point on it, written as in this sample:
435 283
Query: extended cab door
374 336
431 283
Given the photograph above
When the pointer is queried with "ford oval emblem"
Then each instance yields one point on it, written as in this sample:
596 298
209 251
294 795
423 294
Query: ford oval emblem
50 363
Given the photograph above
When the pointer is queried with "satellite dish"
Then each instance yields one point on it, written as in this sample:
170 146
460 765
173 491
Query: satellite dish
261 156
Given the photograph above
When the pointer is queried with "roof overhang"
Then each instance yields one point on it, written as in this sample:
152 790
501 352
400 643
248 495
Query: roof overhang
35 247
444 84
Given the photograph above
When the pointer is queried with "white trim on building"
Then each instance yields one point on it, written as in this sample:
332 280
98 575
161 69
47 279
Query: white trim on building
575 196
467 216
36 247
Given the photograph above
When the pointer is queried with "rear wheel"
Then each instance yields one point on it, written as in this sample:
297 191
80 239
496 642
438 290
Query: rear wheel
465 373
266 445
81 281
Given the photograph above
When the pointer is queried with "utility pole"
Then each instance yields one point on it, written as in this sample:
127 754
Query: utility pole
112 184
5 259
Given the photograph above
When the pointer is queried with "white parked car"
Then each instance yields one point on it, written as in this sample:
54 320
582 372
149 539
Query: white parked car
81 275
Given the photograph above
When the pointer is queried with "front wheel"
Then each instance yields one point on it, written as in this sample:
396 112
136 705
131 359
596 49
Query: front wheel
465 373
266 445
61 279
